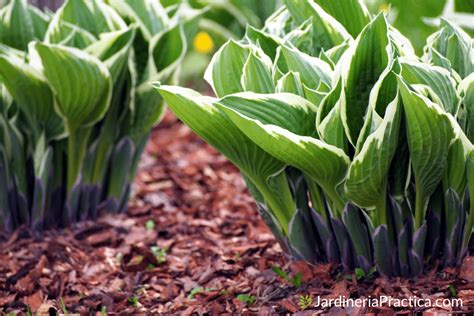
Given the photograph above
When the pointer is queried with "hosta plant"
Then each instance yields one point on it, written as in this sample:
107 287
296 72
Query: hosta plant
356 150
76 106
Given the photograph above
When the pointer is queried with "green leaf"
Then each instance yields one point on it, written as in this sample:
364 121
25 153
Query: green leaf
284 110
458 155
267 42
301 38
429 133
278 136
203 116
150 224
352 14
353 219
16 25
82 85
466 89
40 21
226 68
121 160
113 49
149 15
327 32
470 186
61 32
257 76
291 83
94 16
436 78
367 177
312 70
455 45
371 54
167 49
247 299
335 53
31 92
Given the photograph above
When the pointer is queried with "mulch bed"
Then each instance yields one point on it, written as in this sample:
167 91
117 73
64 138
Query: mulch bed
191 243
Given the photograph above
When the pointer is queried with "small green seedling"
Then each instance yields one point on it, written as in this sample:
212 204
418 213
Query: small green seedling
63 306
133 301
296 281
247 299
150 224
198 290
305 301
361 275
160 253
453 290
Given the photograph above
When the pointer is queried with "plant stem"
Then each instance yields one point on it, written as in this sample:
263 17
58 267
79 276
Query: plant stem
335 197
381 210
419 206
469 226
279 201
316 198
77 145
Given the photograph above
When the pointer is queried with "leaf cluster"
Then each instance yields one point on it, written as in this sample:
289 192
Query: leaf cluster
356 149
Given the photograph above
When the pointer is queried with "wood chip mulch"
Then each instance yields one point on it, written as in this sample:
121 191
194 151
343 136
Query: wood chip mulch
191 243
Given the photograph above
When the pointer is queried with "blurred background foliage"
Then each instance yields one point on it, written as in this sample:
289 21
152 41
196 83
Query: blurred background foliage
416 19
224 19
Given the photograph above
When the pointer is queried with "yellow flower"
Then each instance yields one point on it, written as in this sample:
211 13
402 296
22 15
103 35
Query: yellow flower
203 43
383 7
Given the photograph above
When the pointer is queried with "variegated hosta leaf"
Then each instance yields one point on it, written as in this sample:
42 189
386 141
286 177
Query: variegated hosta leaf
167 49
352 14
257 75
381 95
385 89
114 50
64 33
16 25
313 71
367 177
93 16
458 154
82 86
329 119
316 97
291 83
285 110
31 92
302 38
436 78
264 128
149 15
267 42
470 186
370 56
402 45
225 71
335 53
429 134
279 23
466 89
205 118
455 45
326 31
40 21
